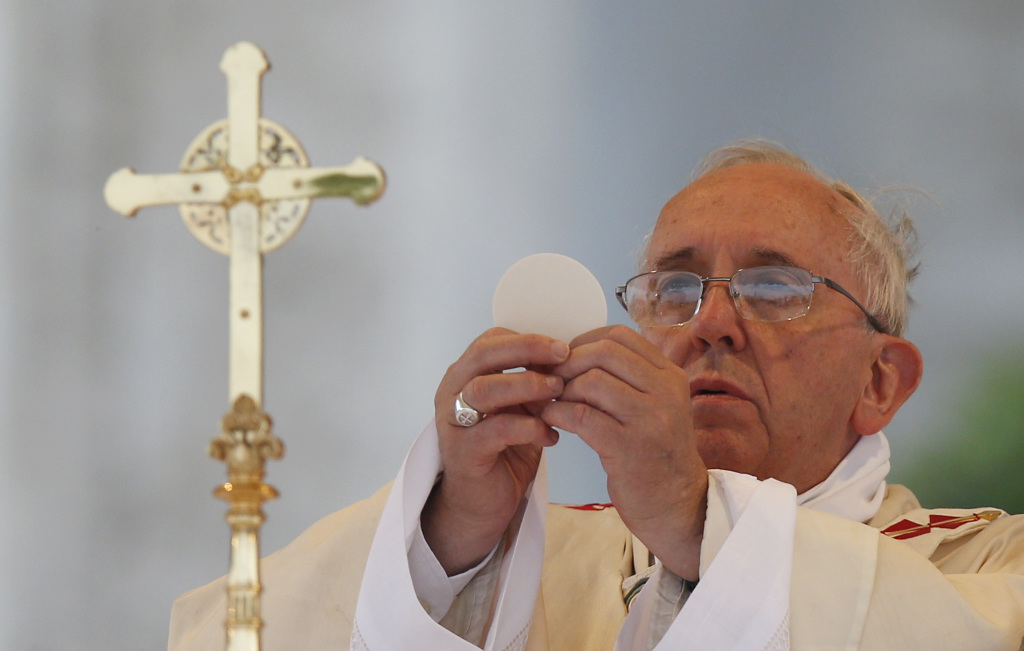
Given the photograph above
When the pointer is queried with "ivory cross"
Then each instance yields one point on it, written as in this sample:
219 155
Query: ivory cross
244 189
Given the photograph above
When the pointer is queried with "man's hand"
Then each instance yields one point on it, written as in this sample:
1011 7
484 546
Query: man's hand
632 406
487 467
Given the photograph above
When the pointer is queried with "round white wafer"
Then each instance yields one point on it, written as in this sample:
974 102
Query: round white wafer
549 294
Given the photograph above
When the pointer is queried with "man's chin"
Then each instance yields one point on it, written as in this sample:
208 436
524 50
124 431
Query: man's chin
727 448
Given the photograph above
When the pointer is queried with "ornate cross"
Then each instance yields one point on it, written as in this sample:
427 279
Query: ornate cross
244 189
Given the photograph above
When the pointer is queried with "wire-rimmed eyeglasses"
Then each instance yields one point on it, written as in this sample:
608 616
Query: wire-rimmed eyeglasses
766 293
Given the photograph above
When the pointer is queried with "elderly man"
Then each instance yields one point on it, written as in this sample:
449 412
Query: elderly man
740 430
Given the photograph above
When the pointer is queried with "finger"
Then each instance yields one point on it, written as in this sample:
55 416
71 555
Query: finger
499 350
607 392
627 337
594 427
508 430
491 393
479 446
641 370
661 399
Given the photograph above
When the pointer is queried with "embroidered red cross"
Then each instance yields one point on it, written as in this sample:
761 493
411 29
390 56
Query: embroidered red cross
905 529
588 507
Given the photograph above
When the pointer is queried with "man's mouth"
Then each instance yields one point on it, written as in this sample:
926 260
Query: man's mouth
710 388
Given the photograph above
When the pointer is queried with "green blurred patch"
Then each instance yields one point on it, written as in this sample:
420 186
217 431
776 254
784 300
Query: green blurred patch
978 451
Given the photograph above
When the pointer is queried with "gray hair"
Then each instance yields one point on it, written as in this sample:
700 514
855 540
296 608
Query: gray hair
881 250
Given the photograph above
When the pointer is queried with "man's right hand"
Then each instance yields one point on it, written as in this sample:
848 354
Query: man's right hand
488 467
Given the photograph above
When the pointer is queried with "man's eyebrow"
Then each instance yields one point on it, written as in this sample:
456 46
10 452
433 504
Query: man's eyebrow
675 259
771 256
759 256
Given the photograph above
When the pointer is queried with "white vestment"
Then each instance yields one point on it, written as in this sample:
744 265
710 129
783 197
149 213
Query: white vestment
748 586
772 574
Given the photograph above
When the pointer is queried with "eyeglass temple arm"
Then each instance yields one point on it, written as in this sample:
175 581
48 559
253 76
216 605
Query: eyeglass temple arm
620 293
875 323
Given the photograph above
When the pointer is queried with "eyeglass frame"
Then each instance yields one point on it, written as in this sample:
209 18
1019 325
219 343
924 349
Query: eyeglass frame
620 293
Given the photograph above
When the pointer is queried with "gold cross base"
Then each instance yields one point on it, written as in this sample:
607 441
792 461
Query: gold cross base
245 443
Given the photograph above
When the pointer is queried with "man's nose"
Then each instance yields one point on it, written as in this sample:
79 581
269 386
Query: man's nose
717 323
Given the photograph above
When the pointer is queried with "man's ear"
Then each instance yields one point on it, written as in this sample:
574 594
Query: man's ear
895 374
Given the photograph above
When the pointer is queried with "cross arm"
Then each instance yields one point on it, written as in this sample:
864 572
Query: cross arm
127 191
362 180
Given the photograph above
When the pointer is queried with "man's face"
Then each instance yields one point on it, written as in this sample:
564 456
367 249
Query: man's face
768 399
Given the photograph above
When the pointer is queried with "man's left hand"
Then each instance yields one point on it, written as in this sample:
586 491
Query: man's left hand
631 404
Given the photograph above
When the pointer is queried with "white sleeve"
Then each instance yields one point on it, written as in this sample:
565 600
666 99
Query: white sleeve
460 603
434 588
389 613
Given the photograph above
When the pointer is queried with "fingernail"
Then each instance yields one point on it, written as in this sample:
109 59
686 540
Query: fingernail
561 349
554 382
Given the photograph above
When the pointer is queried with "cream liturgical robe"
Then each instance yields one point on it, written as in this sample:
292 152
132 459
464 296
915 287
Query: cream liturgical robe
773 574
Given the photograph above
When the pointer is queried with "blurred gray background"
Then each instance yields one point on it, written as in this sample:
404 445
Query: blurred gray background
506 129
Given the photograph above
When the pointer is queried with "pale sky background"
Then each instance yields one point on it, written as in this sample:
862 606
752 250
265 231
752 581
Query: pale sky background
506 129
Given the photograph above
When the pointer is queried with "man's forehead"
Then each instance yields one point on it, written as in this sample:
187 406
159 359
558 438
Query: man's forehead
759 188
755 177
762 213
